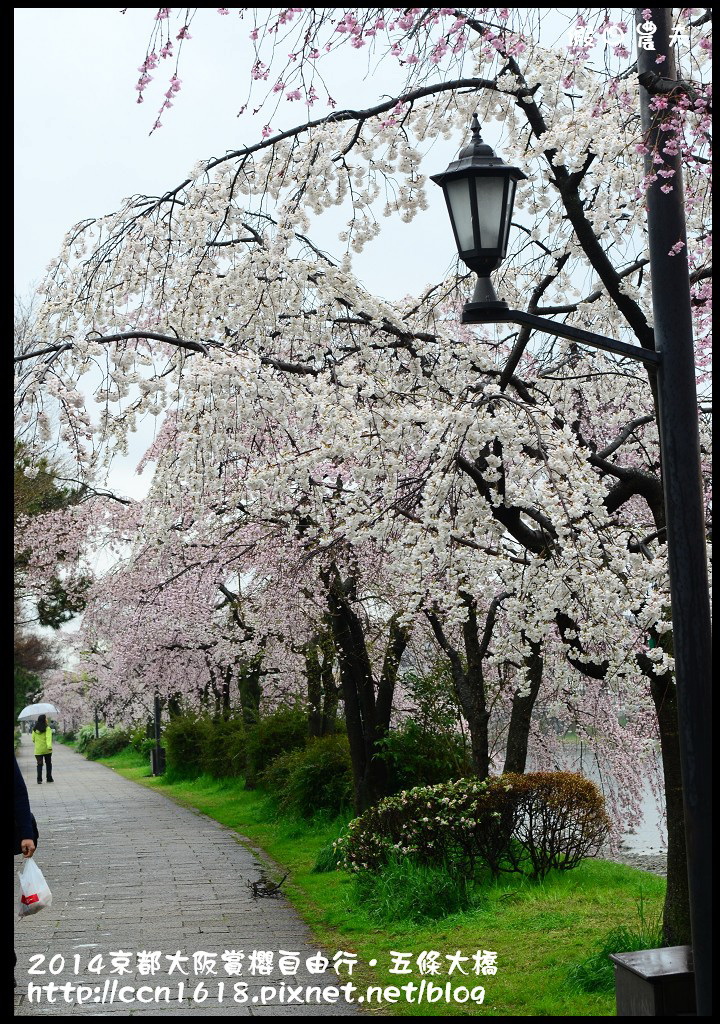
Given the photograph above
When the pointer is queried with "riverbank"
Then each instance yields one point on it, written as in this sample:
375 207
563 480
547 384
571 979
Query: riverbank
540 932
656 863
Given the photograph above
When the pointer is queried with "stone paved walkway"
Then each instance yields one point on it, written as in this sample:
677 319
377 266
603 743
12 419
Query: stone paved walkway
132 871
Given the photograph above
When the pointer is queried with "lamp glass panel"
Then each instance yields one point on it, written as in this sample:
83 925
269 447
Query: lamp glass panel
458 194
489 192
508 215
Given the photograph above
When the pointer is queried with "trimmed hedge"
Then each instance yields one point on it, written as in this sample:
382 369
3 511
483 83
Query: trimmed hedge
315 778
223 751
226 748
197 744
184 738
527 823
109 743
284 730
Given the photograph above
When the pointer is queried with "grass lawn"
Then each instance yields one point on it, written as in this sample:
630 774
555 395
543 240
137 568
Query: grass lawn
538 930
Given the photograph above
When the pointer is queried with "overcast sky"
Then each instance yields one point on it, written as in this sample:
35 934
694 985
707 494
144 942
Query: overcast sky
82 142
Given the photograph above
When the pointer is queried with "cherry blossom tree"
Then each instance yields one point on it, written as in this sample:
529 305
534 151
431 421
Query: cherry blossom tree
521 526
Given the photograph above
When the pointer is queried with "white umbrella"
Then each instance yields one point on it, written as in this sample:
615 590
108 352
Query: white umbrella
35 710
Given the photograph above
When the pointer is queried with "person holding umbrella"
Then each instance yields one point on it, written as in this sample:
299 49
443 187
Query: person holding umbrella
42 740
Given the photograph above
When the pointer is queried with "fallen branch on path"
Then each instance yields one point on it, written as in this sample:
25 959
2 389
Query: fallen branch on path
265 888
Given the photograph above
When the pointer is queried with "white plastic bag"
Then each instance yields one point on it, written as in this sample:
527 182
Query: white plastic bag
35 894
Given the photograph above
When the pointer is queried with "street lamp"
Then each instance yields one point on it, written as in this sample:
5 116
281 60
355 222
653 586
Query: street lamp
480 191
672 365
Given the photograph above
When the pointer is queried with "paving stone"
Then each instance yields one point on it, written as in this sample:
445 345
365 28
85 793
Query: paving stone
132 871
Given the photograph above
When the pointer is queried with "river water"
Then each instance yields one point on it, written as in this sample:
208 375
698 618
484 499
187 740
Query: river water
648 835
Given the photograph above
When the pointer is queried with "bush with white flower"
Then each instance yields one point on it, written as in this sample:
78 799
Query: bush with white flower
527 823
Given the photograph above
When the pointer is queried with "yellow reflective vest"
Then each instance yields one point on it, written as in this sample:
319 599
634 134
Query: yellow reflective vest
42 741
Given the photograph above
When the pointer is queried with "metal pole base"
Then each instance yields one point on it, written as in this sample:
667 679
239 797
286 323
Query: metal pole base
484 298
475 312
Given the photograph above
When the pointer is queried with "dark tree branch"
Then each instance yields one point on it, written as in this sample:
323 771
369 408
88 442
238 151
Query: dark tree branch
490 622
572 307
567 184
106 339
509 516
656 85
565 625
701 275
631 483
624 435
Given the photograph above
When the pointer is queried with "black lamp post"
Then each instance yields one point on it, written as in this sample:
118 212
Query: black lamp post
672 361
480 191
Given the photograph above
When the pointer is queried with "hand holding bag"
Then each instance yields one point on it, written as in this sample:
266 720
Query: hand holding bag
35 892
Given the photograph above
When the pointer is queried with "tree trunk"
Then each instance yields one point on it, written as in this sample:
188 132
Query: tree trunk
357 688
477 717
468 678
516 747
367 717
250 689
676 912
331 697
314 689
226 692
472 687
323 692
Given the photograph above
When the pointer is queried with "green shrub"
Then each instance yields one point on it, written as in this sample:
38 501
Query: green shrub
407 891
184 739
427 823
432 693
559 819
279 733
224 745
87 733
315 778
527 823
328 859
142 740
420 756
111 742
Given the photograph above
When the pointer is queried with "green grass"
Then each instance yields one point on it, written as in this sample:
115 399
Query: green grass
410 892
129 763
596 973
542 932
59 738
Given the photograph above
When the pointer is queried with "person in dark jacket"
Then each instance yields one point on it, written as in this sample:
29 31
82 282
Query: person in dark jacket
25 832
25 828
